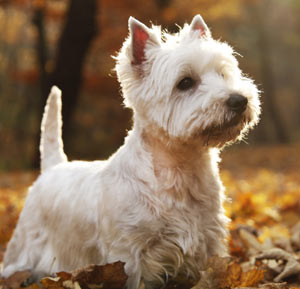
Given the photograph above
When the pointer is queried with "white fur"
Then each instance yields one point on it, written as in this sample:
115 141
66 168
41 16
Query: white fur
156 204
51 145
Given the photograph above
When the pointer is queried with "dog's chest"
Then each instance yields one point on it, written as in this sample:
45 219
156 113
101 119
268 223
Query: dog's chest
185 205
188 189
175 239
189 207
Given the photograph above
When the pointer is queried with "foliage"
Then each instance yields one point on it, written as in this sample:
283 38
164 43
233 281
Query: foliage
263 190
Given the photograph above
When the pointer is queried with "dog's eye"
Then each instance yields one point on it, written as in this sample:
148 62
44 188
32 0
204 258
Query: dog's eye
186 83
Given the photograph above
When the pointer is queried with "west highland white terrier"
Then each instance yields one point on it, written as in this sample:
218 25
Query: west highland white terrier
157 203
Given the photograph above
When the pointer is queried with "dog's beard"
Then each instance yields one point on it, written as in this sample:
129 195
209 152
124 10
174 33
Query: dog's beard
229 130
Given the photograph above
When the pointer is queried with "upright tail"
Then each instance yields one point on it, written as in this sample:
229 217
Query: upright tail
51 145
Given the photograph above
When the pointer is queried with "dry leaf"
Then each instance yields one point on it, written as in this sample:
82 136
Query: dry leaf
234 273
223 273
16 280
252 277
52 283
110 276
292 267
237 278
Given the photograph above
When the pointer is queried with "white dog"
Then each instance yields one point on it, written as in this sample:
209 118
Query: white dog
156 204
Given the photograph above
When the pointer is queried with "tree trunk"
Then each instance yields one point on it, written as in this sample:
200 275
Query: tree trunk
269 99
79 30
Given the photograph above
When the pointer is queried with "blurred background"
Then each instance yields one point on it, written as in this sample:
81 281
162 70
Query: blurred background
70 42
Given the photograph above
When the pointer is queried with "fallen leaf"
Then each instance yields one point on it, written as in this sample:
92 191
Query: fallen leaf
224 273
52 283
234 273
291 267
110 276
16 280
252 277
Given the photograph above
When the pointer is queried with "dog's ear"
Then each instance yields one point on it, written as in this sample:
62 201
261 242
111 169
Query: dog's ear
140 34
198 25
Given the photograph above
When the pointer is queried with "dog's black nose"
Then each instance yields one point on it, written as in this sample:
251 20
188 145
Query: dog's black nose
237 102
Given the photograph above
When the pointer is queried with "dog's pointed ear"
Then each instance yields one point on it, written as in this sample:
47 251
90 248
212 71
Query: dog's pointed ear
140 34
198 25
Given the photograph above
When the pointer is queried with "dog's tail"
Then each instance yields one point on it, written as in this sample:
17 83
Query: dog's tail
51 145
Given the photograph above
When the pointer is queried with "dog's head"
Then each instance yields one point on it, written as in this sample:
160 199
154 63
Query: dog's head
186 86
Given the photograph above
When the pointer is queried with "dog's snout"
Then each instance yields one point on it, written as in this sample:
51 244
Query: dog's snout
237 102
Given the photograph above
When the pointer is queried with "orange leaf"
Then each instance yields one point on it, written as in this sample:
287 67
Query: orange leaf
252 278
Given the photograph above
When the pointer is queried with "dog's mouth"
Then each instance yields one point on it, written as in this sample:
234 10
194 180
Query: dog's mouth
219 129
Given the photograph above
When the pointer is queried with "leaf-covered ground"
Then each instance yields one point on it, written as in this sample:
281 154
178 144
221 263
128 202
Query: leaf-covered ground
263 189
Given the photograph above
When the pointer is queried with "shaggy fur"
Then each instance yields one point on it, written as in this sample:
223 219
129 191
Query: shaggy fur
156 204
